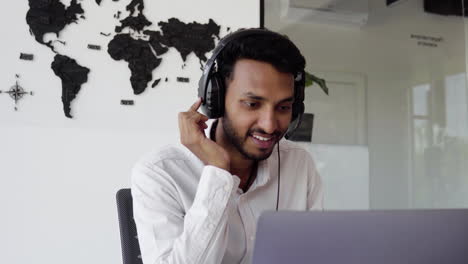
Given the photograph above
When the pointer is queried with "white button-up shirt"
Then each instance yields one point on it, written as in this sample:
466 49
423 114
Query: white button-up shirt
186 212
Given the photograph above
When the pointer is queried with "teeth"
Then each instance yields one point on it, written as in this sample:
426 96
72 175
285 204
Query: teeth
261 138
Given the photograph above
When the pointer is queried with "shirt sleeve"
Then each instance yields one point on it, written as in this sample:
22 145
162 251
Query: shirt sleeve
315 188
168 234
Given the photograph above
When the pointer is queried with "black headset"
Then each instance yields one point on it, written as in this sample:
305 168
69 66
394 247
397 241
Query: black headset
212 90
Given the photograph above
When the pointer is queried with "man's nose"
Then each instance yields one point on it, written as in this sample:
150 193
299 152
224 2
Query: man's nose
267 121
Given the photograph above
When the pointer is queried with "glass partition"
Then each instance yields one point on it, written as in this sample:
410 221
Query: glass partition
393 131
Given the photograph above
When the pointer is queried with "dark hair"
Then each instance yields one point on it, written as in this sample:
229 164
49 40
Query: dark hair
275 49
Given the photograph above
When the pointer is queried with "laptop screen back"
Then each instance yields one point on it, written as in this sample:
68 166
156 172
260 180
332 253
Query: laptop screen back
363 237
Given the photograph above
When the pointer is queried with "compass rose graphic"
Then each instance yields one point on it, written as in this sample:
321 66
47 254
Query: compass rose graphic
16 93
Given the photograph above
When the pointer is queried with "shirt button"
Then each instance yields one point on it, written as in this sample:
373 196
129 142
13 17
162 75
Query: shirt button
252 238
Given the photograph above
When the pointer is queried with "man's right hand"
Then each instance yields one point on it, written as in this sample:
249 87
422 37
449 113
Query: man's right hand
192 125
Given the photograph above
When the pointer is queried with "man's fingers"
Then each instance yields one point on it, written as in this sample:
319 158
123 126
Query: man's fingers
196 116
192 125
196 105
199 117
202 125
192 117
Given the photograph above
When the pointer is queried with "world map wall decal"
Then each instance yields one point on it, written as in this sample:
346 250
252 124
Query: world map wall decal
133 41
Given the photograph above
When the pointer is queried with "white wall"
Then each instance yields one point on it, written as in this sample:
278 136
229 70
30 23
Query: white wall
393 63
58 192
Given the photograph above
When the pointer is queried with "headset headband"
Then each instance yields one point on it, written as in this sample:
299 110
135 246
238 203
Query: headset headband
222 43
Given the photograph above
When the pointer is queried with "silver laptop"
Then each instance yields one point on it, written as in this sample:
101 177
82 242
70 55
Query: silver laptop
363 237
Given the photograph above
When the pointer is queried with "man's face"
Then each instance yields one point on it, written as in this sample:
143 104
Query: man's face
258 108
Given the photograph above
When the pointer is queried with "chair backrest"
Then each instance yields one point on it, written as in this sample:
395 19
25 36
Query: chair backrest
128 234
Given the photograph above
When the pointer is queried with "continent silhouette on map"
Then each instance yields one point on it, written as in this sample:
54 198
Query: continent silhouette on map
99 1
51 16
135 5
140 58
186 38
133 21
72 75
143 55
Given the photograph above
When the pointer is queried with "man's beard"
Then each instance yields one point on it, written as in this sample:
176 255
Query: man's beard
238 141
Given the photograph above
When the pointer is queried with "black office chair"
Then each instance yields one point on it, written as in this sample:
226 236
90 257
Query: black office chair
128 234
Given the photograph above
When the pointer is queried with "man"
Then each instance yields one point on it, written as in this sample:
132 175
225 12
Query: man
199 201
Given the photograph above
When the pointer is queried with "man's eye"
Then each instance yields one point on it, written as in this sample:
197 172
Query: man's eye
251 104
285 107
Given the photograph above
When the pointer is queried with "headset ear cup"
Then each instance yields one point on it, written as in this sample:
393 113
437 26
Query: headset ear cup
293 126
215 96
298 106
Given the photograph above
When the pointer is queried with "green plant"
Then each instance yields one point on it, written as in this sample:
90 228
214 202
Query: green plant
311 79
